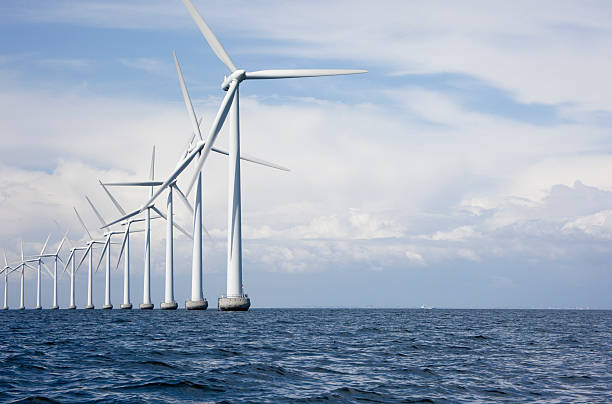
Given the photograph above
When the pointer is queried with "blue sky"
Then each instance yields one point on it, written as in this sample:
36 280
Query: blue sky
468 168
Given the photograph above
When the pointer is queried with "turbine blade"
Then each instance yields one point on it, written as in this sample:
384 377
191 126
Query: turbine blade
219 120
46 268
152 172
70 257
125 236
87 251
174 223
133 184
45 245
5 259
103 251
187 99
22 258
296 73
62 231
251 159
183 198
112 198
209 36
82 223
95 211
61 244
131 214
202 146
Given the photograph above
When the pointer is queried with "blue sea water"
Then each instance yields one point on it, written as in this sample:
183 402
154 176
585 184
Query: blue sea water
310 355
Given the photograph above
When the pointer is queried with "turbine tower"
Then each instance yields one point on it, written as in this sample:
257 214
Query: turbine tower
235 298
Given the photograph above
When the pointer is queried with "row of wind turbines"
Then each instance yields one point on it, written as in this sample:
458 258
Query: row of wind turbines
197 151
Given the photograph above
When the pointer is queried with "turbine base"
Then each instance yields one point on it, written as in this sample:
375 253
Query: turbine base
90 307
5 308
196 304
234 303
146 306
107 307
21 308
126 306
54 307
168 306
38 308
72 307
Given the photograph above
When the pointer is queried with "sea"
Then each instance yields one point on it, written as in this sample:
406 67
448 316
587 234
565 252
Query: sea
306 356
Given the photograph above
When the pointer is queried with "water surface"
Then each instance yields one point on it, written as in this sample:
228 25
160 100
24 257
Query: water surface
311 355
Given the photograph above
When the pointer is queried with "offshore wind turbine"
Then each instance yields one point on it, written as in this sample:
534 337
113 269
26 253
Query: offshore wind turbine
235 298
125 244
38 259
88 254
107 249
55 257
22 265
73 269
6 270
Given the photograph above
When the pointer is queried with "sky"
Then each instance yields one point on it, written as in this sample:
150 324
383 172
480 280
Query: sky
469 168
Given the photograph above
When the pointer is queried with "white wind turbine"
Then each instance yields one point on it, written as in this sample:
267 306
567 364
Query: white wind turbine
6 270
235 299
88 254
73 269
22 264
38 260
125 245
55 257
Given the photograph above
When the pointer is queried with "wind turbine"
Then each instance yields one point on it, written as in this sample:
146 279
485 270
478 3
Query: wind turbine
6 270
38 259
73 269
235 299
22 265
54 275
88 253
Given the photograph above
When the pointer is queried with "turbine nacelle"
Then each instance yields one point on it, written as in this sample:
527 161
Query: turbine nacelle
237 75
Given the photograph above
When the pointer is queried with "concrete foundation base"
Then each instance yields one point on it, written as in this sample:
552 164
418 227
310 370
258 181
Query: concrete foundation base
168 306
21 308
5 308
146 306
73 307
107 307
55 308
90 307
38 308
234 303
196 304
126 306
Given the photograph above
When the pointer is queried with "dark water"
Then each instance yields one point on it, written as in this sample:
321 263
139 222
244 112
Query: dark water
306 356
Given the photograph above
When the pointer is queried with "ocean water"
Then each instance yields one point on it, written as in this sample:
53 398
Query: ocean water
310 355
